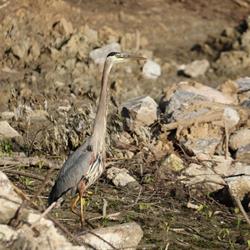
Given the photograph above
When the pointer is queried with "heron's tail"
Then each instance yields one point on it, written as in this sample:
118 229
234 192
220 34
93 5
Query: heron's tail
53 196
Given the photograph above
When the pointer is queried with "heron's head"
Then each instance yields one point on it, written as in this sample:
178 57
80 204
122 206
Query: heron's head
117 57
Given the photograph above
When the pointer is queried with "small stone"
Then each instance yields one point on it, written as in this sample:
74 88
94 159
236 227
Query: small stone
243 154
174 163
124 236
6 131
231 117
99 55
151 69
119 176
7 115
140 111
194 69
21 49
240 138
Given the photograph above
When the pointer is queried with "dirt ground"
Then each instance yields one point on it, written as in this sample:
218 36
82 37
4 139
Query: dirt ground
167 28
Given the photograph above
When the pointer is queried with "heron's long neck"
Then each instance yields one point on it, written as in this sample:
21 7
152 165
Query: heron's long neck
100 125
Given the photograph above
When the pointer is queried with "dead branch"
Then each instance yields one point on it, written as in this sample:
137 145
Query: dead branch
30 175
23 161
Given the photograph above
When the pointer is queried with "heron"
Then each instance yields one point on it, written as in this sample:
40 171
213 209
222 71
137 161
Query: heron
87 163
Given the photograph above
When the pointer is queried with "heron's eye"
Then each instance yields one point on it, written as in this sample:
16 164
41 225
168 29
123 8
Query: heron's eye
90 148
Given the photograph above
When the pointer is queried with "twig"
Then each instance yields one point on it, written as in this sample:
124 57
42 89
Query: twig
226 140
43 214
34 176
23 161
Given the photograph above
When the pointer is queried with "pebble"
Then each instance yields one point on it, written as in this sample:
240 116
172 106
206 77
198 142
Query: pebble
120 176
6 131
151 70
194 69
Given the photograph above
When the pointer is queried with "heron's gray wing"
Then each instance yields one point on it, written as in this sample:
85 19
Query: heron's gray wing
74 168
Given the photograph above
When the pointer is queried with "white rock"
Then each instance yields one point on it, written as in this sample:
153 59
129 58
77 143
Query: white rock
9 200
203 176
99 55
139 111
239 180
209 93
124 236
240 138
231 117
151 69
119 176
6 131
194 69
7 115
7 233
243 154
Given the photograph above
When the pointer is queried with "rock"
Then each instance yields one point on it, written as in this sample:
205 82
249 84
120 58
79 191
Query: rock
240 138
231 117
6 131
91 34
7 115
202 176
174 163
239 180
45 235
21 48
231 62
243 84
201 145
151 69
124 236
9 200
120 176
140 111
194 69
245 40
63 27
185 94
38 115
243 154
211 94
99 55
221 165
178 99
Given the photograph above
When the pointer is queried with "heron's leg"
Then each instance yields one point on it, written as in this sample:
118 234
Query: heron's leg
74 202
81 189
